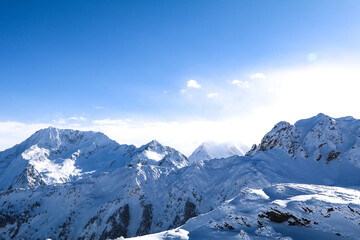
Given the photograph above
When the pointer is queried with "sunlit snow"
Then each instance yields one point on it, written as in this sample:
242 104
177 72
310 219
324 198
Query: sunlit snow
154 155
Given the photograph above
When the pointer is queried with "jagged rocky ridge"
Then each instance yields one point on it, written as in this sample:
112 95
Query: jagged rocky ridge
138 194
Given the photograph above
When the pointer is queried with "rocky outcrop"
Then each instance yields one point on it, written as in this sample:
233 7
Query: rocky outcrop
117 224
146 220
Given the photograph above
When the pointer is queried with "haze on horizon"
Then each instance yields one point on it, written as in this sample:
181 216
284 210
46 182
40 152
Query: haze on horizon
181 72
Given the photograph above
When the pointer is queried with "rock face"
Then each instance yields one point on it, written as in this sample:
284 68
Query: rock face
65 184
117 224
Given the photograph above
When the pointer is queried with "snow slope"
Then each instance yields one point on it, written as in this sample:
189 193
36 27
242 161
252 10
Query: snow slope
281 211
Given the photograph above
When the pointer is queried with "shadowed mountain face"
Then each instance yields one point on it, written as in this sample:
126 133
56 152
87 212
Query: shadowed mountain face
64 184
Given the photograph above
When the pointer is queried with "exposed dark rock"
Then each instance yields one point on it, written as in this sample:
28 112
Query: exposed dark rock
189 211
330 209
351 209
228 226
146 220
308 210
6 219
117 224
280 217
91 221
177 222
219 226
64 229
332 155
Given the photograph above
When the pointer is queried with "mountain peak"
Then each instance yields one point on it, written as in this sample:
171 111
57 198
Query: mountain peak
210 150
154 143
321 138
52 137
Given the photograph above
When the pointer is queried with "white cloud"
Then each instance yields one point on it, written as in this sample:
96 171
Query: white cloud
74 118
107 121
212 95
99 107
257 76
184 136
193 84
60 121
241 84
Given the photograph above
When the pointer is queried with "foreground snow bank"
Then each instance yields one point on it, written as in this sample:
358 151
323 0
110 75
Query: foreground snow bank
176 234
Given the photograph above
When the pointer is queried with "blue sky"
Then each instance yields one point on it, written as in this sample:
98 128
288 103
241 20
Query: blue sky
81 62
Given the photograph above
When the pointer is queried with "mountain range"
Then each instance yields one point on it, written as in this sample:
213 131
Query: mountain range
300 182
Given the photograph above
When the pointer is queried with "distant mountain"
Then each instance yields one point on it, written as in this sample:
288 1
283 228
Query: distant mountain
157 154
300 182
210 150
55 156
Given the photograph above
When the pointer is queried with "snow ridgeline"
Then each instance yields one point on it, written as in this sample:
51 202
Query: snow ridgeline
87 186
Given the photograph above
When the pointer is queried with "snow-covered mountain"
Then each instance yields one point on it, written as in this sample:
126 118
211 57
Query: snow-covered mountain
289 190
156 154
55 156
210 150
282 189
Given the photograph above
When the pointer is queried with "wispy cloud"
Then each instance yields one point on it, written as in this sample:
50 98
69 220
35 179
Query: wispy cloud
99 107
241 84
108 121
74 118
60 121
193 84
257 75
212 95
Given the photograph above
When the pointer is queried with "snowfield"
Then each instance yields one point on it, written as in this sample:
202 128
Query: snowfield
301 182
310 213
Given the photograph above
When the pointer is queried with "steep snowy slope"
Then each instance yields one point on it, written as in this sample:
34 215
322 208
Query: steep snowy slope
209 150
